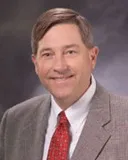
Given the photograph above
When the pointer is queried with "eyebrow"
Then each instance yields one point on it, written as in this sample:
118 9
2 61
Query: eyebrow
71 45
64 47
45 49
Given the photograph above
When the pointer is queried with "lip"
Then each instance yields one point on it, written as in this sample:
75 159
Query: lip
61 79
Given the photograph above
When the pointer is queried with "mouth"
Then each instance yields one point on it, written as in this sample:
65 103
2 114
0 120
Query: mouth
61 78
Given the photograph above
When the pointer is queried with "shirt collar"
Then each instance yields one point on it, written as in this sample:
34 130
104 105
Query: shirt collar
79 110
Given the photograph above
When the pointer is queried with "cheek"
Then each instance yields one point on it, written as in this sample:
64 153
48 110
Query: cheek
84 63
85 68
44 69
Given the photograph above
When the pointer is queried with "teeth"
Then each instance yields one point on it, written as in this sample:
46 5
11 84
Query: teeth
60 78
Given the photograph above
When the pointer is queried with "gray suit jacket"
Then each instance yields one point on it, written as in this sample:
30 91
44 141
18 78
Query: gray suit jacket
104 136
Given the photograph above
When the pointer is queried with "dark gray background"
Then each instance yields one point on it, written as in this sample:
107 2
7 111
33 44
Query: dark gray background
18 80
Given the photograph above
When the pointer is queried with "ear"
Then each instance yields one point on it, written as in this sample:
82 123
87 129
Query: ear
93 56
34 60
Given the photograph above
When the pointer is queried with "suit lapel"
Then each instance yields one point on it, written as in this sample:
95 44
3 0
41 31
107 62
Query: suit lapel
34 133
94 137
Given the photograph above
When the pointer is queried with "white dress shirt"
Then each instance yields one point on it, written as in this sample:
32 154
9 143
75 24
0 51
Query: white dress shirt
76 114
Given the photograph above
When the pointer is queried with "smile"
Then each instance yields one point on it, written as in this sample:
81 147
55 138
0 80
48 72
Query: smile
62 79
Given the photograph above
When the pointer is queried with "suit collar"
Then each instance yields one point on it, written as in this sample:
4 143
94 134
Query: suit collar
94 136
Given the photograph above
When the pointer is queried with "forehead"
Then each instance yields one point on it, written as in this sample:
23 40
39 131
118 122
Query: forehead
60 34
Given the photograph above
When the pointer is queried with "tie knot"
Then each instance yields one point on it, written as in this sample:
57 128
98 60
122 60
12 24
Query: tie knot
62 118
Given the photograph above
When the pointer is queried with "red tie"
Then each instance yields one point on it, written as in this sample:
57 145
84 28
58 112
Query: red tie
59 146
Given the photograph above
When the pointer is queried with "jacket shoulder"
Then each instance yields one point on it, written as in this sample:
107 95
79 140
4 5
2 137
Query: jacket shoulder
29 106
117 99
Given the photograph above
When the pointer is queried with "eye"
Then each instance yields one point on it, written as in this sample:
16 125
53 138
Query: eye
47 55
71 52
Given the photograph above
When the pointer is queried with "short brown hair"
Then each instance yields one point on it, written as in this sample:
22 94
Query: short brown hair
56 16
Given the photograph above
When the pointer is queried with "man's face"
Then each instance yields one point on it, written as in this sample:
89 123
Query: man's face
64 64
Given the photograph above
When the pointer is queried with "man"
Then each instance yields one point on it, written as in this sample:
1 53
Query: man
79 120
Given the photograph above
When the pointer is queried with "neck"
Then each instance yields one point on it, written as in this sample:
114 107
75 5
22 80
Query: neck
66 102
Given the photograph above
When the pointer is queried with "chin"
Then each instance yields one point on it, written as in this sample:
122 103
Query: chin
61 95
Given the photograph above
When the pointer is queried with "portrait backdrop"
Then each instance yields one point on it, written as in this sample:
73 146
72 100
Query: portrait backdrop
18 80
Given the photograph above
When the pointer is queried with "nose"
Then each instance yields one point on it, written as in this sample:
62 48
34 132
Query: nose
60 64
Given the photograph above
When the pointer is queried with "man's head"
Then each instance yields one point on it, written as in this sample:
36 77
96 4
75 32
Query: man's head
63 54
56 16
